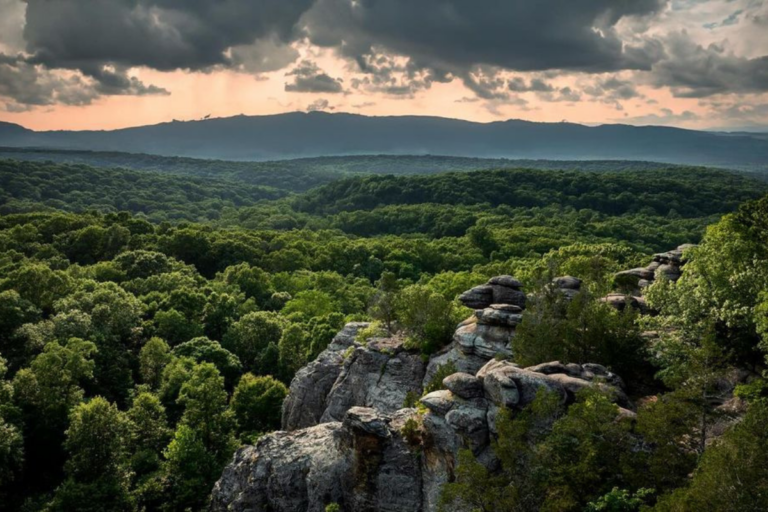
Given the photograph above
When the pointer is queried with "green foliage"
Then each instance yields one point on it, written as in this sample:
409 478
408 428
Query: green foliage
620 500
149 433
52 383
579 330
732 473
428 318
436 382
250 337
11 436
161 319
293 347
205 350
32 186
411 432
153 357
550 460
384 303
257 404
175 327
96 441
252 281
203 442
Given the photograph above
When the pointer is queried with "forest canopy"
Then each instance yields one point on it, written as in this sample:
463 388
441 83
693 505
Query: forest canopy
151 323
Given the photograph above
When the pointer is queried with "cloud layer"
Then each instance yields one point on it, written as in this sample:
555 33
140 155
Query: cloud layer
503 52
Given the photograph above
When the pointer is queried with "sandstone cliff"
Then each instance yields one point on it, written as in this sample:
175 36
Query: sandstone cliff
348 439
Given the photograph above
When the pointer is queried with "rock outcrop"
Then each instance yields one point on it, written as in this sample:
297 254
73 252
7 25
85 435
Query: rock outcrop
347 438
498 290
361 463
307 401
665 265
379 373
368 461
488 333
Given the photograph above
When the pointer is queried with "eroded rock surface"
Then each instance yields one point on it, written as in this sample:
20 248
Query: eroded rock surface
307 401
349 441
362 463
378 373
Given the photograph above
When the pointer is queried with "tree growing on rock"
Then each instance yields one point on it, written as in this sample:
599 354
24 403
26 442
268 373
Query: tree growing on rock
579 330
384 303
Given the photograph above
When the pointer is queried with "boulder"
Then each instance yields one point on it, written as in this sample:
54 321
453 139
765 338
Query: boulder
505 295
504 315
348 374
498 290
556 367
469 420
359 456
439 402
506 281
362 463
452 355
368 421
286 472
670 272
484 340
501 389
573 386
638 273
464 385
620 302
478 297
567 283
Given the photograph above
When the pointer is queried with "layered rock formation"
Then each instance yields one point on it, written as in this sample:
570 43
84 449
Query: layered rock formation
347 438
488 333
370 461
665 265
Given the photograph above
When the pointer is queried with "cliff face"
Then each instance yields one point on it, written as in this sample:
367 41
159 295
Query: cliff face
347 438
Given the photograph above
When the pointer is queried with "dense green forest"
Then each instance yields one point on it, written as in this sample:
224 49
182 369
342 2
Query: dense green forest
30 186
302 174
138 353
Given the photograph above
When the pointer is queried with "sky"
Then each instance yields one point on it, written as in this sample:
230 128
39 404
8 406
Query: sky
105 64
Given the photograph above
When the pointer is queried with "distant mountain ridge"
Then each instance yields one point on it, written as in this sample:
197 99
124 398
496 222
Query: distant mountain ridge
296 135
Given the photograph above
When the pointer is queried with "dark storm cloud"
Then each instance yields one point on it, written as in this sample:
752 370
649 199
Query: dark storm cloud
612 89
28 85
518 84
457 35
486 85
398 47
694 71
104 38
161 34
386 74
307 77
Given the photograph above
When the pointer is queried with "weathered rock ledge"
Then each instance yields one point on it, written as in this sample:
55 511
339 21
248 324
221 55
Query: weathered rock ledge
347 438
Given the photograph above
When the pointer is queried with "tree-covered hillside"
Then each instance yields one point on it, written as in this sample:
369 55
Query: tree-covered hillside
301 174
299 134
32 186
688 191
136 355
